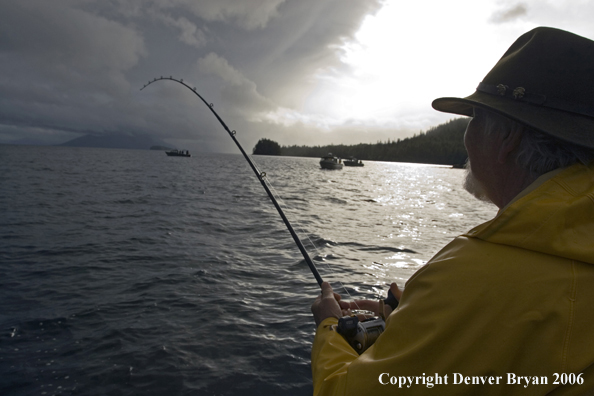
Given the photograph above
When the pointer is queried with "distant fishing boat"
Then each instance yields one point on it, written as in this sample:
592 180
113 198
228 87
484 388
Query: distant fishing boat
330 162
178 153
352 161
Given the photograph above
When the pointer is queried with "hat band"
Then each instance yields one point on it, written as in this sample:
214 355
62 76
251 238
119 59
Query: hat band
520 94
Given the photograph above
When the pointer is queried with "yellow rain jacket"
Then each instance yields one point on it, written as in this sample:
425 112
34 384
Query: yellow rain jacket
512 298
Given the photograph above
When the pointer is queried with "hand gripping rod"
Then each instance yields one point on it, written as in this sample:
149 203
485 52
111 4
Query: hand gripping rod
261 176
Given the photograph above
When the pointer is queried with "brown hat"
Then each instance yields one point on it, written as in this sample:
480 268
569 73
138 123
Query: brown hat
545 80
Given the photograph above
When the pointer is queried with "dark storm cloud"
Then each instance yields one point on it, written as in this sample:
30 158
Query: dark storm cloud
58 65
76 66
237 90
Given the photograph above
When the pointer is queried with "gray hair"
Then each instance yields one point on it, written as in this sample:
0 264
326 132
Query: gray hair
541 153
538 152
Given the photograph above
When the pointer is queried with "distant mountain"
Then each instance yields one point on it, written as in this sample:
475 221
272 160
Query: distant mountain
121 141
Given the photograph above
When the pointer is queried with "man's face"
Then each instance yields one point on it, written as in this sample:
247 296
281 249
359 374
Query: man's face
477 142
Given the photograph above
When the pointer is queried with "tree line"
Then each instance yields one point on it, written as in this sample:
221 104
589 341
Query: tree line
443 144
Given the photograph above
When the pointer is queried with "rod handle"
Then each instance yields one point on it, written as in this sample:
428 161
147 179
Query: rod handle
391 300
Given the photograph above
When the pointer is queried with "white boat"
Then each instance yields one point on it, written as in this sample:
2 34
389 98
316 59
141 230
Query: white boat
330 162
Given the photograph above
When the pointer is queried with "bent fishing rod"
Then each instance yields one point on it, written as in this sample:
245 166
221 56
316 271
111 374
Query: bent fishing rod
391 300
260 175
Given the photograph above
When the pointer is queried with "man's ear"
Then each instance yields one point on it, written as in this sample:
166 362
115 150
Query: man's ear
510 142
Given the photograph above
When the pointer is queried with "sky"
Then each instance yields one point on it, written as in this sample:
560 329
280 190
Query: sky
304 72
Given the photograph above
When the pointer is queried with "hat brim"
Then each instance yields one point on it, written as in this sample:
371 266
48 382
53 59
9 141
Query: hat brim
570 127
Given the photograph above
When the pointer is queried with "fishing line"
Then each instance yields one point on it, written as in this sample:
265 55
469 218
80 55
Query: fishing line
315 247
265 183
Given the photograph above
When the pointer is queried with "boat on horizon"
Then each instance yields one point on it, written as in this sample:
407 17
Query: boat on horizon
352 161
330 162
178 153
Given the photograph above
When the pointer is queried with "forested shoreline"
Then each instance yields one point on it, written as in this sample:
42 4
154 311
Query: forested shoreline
443 144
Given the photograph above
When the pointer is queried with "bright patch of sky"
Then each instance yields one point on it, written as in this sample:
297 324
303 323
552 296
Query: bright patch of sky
405 56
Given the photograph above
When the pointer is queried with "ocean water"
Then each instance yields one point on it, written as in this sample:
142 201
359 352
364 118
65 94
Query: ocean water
126 272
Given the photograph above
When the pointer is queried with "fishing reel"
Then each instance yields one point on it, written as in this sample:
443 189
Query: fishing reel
360 334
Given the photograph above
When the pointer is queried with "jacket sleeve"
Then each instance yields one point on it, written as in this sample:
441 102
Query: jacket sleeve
331 356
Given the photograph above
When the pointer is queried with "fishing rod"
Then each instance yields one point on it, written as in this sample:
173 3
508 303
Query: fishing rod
260 175
360 334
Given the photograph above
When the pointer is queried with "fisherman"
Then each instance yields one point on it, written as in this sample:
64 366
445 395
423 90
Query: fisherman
513 297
